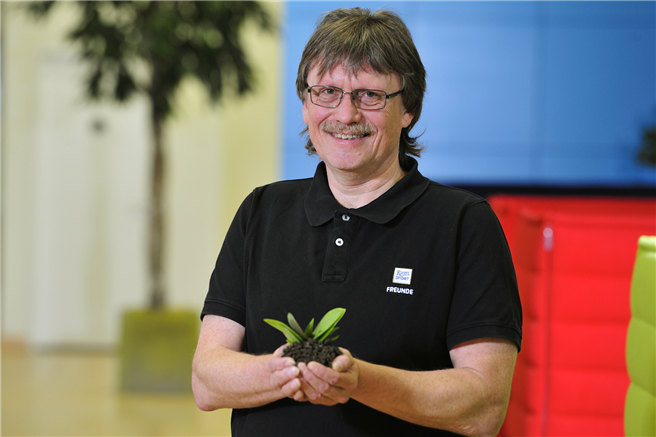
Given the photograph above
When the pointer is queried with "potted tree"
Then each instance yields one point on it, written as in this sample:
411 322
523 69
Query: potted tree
149 47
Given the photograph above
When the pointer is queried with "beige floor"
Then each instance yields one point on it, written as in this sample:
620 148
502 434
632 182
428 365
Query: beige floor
76 394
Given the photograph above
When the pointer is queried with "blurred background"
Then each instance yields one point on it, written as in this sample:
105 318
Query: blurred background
523 97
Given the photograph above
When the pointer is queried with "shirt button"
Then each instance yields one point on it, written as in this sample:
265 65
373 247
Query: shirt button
339 242
345 217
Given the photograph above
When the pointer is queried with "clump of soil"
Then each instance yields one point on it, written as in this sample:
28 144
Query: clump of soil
312 350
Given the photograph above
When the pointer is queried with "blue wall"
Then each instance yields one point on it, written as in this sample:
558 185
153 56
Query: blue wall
526 93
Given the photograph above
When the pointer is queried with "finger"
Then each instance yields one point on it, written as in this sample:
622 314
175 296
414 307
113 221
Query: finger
318 391
299 396
292 388
284 376
276 363
310 384
280 350
340 385
342 363
323 373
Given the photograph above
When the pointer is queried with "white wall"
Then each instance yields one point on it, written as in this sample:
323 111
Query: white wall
75 181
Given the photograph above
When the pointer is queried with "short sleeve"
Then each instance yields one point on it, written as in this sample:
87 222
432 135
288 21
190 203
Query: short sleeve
486 299
226 294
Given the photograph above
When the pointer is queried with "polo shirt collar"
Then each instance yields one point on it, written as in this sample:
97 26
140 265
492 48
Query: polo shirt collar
320 204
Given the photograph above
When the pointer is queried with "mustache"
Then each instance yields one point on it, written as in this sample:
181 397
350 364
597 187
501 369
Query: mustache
357 129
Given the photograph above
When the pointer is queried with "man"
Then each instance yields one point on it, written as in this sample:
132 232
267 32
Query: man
433 319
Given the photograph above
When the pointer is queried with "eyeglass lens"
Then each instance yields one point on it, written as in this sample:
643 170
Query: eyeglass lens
331 97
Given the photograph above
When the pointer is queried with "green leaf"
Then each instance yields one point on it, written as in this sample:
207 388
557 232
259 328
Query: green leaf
295 334
295 326
290 334
327 334
327 324
308 330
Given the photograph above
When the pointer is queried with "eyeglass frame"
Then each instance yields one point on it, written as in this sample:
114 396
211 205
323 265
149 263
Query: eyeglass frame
354 100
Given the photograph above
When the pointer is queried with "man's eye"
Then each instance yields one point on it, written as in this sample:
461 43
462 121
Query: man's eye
369 95
328 91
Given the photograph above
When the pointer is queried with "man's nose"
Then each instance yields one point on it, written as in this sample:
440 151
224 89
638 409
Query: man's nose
346 111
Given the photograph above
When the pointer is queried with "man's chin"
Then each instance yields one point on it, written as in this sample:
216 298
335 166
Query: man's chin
345 164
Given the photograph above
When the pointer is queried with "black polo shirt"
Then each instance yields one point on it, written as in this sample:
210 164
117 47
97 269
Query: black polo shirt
419 270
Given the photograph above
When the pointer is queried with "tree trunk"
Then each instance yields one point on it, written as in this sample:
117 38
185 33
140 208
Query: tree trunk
157 291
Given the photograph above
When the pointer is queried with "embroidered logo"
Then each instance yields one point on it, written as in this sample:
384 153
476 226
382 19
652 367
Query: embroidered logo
402 276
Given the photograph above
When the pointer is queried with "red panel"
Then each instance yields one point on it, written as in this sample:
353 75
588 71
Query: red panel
595 244
571 375
587 392
507 208
590 346
590 298
577 426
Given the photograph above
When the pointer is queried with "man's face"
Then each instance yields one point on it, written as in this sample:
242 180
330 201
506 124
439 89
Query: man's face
354 140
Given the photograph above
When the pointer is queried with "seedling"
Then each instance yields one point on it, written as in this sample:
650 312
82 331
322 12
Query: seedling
322 333
312 343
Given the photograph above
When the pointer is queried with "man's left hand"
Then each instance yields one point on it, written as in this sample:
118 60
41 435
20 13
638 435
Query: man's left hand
330 386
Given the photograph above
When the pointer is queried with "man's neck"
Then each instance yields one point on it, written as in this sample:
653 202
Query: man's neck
354 190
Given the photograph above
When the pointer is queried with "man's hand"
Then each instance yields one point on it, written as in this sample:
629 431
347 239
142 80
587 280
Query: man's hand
285 375
322 385
225 377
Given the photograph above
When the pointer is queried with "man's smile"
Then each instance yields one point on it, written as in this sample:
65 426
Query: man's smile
350 132
347 137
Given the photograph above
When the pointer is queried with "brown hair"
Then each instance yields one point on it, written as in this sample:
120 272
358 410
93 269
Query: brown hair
359 39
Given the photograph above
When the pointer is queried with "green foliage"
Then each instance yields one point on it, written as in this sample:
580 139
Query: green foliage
167 39
295 334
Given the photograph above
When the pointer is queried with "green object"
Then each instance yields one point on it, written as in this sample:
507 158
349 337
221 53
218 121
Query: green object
640 404
295 334
157 349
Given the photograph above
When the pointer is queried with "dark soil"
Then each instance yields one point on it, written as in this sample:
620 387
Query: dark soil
312 350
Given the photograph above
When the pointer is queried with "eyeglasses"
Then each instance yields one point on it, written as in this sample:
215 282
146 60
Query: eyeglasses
331 97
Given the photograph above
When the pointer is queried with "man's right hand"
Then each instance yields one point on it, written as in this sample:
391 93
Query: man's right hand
285 375
225 377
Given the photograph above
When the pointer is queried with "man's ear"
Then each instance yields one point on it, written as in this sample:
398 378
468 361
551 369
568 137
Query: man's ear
407 119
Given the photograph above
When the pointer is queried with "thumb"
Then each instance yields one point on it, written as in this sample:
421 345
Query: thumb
341 363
